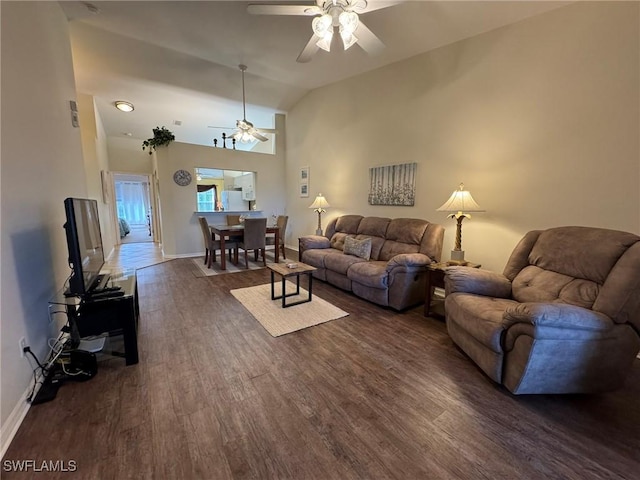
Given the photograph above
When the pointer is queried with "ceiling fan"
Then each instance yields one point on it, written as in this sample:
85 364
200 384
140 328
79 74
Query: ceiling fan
245 131
329 16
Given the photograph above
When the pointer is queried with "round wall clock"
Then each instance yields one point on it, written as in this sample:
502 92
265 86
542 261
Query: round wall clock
182 178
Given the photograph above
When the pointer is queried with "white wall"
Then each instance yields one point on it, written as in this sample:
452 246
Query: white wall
41 165
539 119
96 160
126 155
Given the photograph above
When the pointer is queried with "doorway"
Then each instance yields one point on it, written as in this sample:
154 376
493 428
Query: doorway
133 208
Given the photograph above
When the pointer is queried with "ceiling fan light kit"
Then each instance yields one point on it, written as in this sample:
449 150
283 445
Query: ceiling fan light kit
329 16
324 25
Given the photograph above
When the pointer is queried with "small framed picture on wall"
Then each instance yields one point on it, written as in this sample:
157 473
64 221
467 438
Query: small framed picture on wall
304 174
304 189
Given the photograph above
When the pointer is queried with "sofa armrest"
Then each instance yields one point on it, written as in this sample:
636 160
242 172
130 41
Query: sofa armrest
478 282
309 242
409 261
556 315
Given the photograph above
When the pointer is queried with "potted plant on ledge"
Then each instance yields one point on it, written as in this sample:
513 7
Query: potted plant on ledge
161 136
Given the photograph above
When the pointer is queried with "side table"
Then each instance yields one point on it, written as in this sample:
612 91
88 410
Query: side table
435 278
286 272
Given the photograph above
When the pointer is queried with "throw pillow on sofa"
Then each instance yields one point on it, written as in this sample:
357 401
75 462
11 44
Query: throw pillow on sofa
359 248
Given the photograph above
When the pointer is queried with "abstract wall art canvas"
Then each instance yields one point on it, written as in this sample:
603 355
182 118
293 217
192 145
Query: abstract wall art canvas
393 184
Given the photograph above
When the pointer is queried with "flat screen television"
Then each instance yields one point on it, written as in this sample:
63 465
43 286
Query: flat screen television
84 240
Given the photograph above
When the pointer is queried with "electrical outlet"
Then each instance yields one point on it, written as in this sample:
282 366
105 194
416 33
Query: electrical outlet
23 344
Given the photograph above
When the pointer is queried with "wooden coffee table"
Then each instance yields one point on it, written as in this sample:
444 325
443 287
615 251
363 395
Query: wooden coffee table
285 272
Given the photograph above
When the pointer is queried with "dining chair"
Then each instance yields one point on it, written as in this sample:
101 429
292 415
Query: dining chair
211 245
233 219
255 232
281 223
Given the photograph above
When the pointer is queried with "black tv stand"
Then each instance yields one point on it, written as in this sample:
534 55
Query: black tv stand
97 314
107 293
101 283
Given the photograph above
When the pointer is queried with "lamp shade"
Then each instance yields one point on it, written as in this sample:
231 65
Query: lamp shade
460 201
348 24
323 28
320 202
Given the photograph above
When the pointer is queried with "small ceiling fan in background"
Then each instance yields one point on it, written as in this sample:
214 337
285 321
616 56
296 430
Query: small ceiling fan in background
329 16
245 132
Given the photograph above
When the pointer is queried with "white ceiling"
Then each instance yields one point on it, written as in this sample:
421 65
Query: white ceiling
178 60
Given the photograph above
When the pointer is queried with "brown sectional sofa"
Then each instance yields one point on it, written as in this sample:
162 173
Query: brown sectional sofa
395 274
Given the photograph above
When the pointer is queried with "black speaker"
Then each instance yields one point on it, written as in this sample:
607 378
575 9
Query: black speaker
83 365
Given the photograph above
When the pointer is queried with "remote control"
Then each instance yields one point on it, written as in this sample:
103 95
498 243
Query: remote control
106 294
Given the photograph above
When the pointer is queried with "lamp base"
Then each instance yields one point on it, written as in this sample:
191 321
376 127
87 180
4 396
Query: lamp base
457 263
319 231
457 256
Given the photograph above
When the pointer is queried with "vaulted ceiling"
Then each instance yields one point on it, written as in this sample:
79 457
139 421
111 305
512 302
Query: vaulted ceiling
177 61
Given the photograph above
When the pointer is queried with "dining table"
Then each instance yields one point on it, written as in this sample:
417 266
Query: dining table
226 232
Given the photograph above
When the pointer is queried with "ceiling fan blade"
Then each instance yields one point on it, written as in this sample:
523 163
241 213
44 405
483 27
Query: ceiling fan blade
258 135
368 40
373 5
309 50
265 130
265 9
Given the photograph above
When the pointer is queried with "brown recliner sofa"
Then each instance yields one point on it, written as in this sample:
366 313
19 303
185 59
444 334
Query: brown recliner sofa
564 317
395 273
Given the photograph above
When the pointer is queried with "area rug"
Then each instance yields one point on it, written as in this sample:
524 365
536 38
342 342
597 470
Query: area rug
280 321
203 271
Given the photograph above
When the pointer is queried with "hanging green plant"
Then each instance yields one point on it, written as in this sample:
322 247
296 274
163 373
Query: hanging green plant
161 136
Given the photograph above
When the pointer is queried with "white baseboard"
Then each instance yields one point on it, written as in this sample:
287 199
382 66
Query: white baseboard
10 427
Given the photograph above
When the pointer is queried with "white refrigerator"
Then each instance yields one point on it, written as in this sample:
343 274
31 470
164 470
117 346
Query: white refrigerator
232 201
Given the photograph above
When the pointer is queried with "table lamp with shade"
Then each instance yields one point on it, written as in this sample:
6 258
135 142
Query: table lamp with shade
460 203
319 205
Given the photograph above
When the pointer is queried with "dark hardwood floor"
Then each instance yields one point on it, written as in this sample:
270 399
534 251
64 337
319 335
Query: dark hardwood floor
375 395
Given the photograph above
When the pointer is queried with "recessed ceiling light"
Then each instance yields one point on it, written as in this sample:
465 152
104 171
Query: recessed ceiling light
124 106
